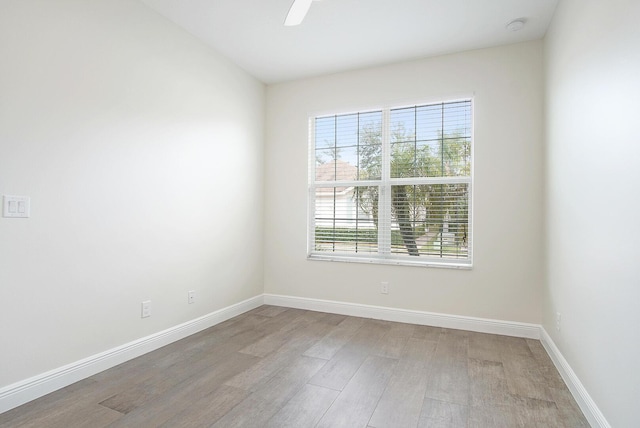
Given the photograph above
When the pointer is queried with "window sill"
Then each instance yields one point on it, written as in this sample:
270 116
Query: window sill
423 263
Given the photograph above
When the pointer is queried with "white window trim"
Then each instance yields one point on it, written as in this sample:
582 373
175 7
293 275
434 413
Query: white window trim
384 255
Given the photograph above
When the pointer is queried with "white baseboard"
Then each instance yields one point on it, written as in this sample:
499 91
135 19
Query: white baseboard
24 391
482 325
580 394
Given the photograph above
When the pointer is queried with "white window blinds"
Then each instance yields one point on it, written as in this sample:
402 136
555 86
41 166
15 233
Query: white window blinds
392 186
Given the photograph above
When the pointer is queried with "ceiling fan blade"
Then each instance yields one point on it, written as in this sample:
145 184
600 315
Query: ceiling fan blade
297 12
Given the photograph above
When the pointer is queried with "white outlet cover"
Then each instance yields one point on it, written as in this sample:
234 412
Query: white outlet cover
384 287
16 206
146 309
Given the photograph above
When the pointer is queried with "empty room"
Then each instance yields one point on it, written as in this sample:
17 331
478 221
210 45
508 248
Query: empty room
319 213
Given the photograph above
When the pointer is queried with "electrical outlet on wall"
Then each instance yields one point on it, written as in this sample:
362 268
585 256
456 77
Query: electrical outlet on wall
146 309
384 287
191 296
558 319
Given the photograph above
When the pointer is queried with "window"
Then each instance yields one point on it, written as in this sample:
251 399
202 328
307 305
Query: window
392 186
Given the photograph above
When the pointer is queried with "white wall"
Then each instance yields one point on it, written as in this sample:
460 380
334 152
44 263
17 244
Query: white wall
506 280
592 60
142 152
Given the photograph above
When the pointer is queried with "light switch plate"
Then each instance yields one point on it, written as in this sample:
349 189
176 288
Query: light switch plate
16 206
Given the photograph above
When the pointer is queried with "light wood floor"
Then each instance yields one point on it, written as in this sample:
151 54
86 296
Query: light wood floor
278 367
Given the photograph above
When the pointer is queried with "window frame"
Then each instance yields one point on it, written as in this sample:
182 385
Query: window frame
383 255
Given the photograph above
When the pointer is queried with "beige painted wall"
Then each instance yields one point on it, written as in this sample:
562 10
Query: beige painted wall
506 280
592 60
126 133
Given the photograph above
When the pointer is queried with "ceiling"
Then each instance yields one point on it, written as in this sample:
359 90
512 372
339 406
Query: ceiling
339 35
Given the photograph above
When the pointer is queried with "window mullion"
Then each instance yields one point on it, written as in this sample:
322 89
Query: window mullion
384 210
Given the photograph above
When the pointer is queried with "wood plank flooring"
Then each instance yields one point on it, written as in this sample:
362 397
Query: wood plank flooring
280 367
